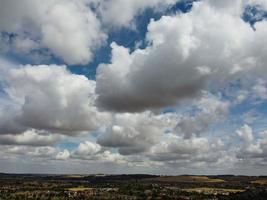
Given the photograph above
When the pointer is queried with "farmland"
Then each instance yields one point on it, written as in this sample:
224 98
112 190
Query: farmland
139 186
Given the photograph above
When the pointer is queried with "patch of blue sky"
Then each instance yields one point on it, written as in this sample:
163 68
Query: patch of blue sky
169 110
179 109
5 99
34 57
253 14
260 116
72 143
2 86
249 113
228 91
168 131
181 6
225 130
68 145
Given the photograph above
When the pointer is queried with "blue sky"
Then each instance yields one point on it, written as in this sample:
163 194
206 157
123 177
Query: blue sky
165 87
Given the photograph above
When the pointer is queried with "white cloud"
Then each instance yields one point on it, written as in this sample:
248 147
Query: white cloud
245 133
259 89
63 155
136 133
51 98
46 27
176 148
25 45
171 67
109 10
87 148
93 152
253 145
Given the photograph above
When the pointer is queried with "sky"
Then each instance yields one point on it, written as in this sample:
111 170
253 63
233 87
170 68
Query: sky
130 86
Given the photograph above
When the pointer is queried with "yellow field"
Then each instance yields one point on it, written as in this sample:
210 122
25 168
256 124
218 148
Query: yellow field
213 190
74 176
79 189
261 182
198 179
22 193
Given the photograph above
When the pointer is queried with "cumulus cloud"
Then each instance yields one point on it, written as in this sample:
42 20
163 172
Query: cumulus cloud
128 10
253 145
186 51
63 155
8 121
87 148
93 152
196 152
176 148
136 133
38 25
53 99
245 133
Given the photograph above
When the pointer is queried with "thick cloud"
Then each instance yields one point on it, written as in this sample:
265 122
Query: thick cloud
91 151
185 52
175 148
136 133
53 99
8 121
36 25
